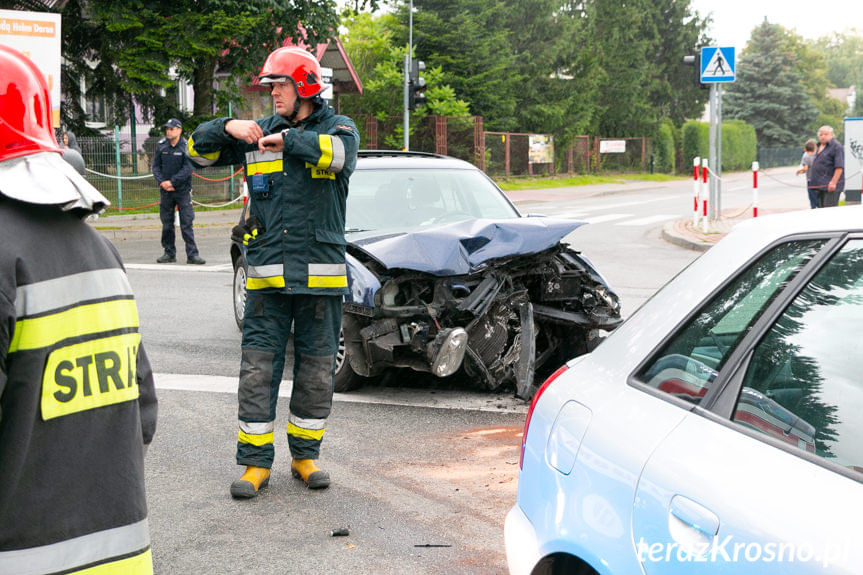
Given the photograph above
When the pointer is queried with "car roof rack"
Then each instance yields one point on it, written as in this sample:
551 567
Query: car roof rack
382 153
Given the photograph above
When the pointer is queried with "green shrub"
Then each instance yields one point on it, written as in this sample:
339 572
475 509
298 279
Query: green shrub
739 148
663 147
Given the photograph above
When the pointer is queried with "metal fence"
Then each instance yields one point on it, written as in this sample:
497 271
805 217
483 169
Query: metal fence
121 169
776 157
459 137
123 173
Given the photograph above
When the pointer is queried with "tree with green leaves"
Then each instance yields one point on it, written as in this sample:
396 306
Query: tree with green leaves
769 92
379 60
137 49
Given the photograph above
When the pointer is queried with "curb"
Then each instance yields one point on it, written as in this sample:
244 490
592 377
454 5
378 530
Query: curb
681 233
669 235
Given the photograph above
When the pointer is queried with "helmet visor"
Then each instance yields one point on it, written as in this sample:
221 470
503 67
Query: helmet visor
272 79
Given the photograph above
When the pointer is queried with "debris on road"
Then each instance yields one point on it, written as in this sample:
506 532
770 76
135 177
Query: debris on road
340 532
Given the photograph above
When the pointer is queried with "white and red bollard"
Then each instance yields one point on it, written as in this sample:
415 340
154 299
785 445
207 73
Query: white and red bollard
705 193
696 163
754 189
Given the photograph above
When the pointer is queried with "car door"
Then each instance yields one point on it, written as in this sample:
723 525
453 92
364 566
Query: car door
765 475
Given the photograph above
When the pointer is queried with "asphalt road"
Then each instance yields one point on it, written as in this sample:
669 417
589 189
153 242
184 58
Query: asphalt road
410 465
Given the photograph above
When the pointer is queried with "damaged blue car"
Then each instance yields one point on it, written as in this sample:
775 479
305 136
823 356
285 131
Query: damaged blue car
445 275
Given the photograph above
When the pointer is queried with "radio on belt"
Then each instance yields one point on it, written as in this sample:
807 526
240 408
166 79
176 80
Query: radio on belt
260 186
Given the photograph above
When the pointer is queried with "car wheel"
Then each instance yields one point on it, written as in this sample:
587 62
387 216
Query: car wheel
345 379
239 290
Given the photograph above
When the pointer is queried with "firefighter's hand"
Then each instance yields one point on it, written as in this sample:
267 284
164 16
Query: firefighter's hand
246 130
167 186
272 143
247 231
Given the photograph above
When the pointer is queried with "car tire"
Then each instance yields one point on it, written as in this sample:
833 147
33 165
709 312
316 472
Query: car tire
239 290
345 378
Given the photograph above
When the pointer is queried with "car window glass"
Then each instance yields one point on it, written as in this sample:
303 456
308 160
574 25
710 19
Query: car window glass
803 385
688 364
381 199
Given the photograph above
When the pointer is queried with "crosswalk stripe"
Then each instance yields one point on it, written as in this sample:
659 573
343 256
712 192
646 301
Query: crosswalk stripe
181 267
606 218
648 220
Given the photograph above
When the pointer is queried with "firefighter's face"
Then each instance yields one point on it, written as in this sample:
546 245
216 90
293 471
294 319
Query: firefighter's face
284 95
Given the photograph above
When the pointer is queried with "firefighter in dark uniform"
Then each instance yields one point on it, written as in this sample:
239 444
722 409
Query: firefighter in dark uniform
77 403
173 173
297 162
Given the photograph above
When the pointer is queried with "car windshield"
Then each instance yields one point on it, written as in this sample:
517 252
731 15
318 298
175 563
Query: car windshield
387 198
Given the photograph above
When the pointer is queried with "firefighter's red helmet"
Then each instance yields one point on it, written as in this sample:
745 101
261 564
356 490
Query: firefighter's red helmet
25 108
297 65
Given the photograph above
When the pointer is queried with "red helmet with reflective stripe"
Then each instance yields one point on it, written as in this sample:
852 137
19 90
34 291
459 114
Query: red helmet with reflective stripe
25 108
296 64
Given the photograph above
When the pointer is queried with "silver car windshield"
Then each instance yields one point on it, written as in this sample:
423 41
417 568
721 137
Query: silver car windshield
410 198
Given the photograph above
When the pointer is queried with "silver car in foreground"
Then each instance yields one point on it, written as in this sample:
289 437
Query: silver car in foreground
720 428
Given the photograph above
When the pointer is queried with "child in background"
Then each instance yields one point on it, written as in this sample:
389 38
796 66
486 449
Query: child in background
805 164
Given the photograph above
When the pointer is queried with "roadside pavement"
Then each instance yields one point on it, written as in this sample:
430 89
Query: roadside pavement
681 232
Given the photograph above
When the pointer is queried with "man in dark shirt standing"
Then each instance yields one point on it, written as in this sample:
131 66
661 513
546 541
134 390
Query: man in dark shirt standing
825 175
173 173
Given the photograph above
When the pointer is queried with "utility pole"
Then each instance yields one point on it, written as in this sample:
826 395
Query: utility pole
408 57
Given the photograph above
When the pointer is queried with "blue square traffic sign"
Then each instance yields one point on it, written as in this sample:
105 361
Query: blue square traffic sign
717 65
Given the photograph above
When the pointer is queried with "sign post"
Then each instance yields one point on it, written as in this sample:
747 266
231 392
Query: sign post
853 173
717 67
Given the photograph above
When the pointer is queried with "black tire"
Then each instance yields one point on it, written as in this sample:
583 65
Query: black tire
345 378
239 290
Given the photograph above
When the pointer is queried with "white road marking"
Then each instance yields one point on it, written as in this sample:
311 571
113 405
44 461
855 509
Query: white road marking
649 220
429 398
181 267
605 218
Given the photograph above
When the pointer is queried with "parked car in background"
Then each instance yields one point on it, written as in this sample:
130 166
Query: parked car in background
445 274
719 429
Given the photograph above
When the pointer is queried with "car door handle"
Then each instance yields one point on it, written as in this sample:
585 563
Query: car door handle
691 525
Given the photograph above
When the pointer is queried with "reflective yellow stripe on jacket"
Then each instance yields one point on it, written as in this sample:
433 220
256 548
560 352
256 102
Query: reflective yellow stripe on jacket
328 275
332 153
269 276
122 550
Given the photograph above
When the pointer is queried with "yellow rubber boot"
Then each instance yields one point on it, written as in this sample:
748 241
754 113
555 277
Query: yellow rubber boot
250 484
310 473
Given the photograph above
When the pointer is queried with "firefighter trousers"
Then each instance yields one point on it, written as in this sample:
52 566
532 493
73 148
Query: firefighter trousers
267 322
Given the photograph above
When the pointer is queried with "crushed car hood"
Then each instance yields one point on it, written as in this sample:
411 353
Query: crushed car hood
461 248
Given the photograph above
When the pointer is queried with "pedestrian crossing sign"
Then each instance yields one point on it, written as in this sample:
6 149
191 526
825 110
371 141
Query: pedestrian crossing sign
717 65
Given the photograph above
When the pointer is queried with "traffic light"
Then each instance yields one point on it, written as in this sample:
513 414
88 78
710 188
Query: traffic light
417 87
694 60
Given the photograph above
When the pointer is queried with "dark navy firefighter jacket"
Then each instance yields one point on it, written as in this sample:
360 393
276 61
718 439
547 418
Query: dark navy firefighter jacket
170 163
298 196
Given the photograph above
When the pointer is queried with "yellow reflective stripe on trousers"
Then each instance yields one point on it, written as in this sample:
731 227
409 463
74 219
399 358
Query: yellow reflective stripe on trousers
253 439
141 564
95 549
45 331
316 434
325 142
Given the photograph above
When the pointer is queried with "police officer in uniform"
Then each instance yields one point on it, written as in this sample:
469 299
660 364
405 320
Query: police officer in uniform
298 163
173 173
77 403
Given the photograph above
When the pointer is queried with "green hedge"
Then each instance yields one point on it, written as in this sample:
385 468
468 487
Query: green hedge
663 147
739 147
